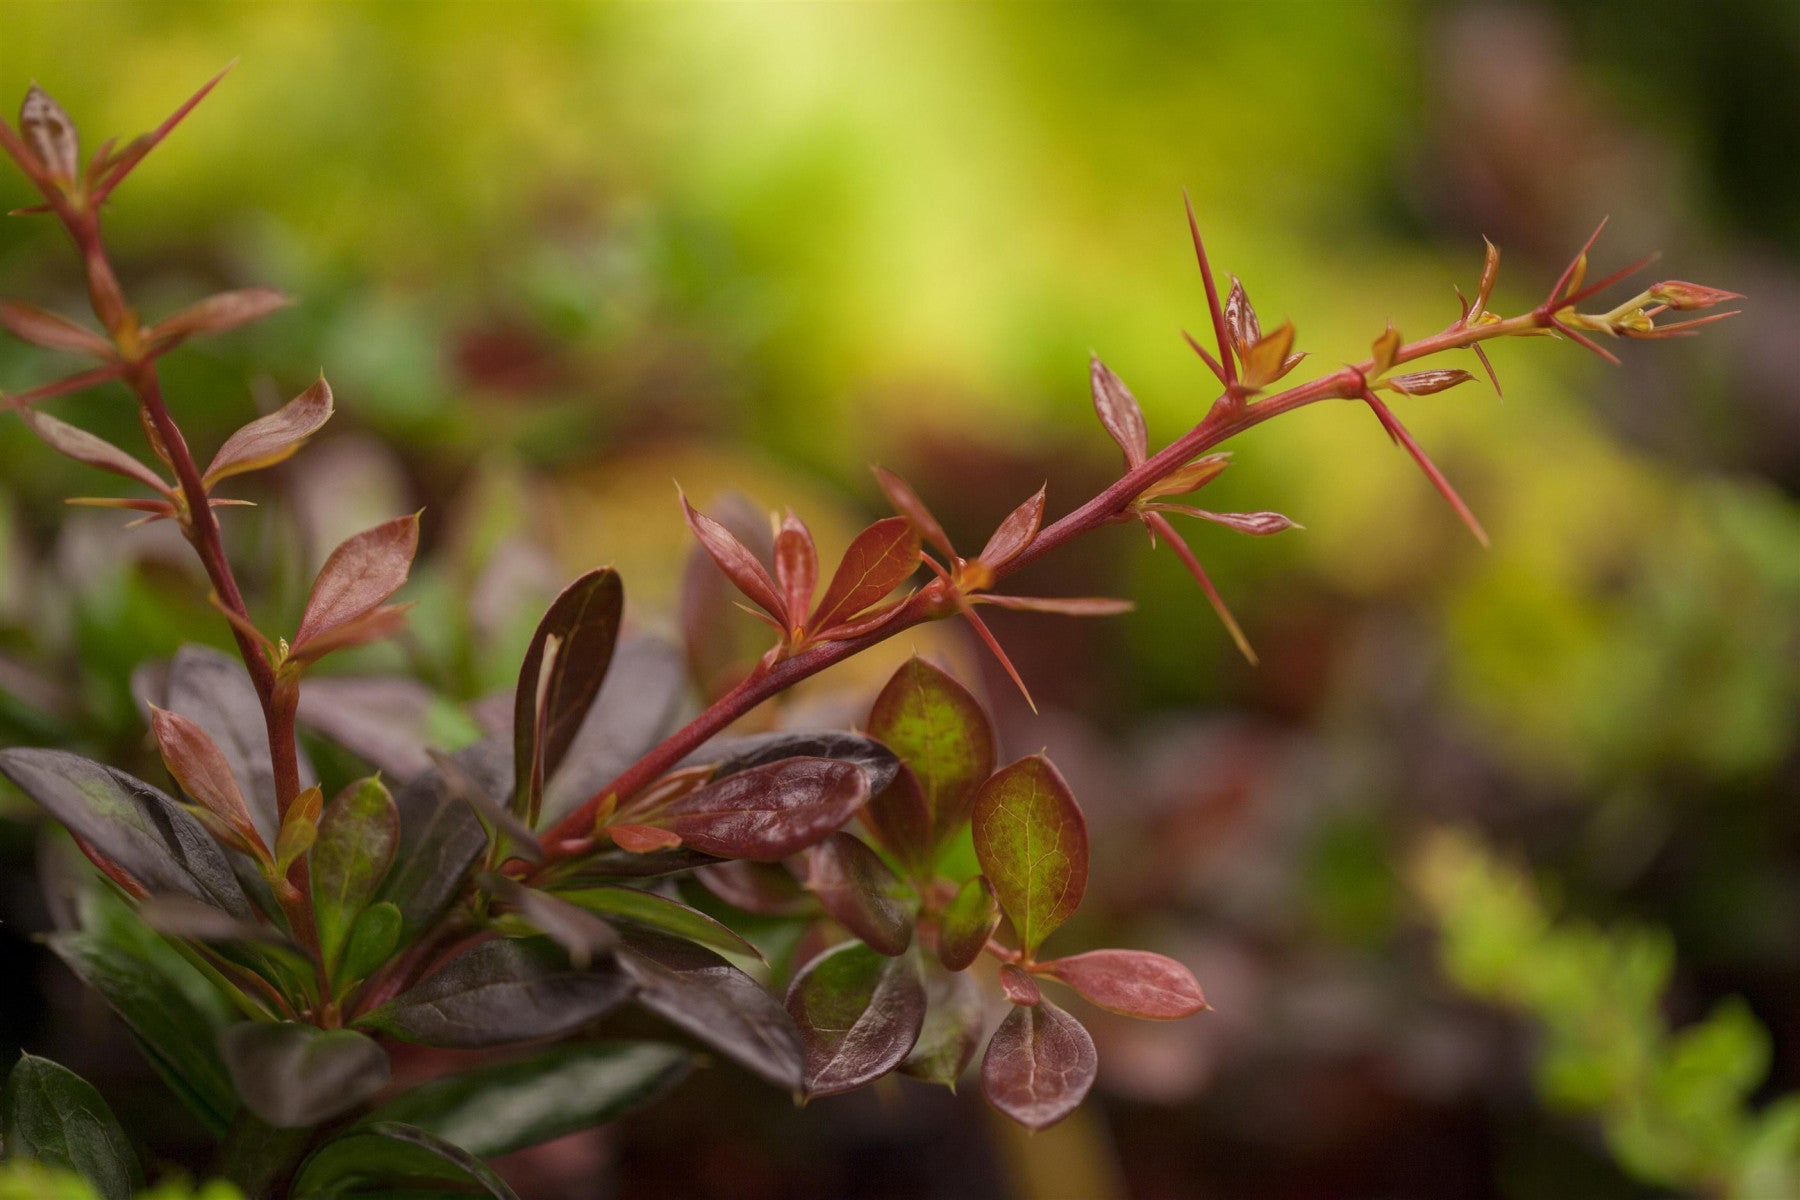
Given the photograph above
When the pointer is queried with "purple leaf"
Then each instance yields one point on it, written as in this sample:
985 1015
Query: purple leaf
859 1015
766 813
860 892
1039 1065
1134 983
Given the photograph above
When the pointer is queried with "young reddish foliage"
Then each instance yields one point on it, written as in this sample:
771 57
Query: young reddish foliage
1039 1065
1133 983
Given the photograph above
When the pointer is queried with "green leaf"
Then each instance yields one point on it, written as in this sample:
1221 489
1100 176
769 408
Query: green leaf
562 673
940 731
967 923
496 1109
660 912
1032 842
131 823
355 847
372 940
177 1034
859 1014
954 1016
504 990
51 1115
293 1075
391 1159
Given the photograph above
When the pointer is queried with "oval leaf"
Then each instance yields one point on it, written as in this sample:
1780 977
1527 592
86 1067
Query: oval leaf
51 1115
501 991
215 314
1031 840
357 837
940 731
967 923
796 568
703 995
390 1159
860 892
740 754
878 561
440 835
859 1015
563 670
200 767
272 439
358 576
1039 1065
900 822
373 939
31 324
906 502
293 1075
1134 983
1020 988
503 1107
766 813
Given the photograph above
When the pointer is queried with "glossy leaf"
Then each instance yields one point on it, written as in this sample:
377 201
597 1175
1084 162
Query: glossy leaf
740 566
1134 983
201 769
940 731
1031 840
502 990
878 560
1015 533
389 1159
859 1015
563 670
274 438
176 1033
740 754
502 1107
358 576
1020 988
1039 1065
440 836
133 824
906 502
967 923
951 1034
659 912
796 568
372 941
703 995
860 893
1119 413
84 447
217 313
51 1115
31 324
358 834
769 812
293 1075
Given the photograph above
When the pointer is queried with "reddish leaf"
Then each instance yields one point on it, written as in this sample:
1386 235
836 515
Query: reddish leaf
564 667
1685 297
766 813
62 387
53 332
1119 412
765 889
1066 606
1134 983
907 503
1039 1065
1015 533
860 892
952 1029
1428 383
359 631
739 565
796 568
967 923
642 839
50 133
1256 524
360 574
216 314
1019 987
941 733
203 772
900 820
271 439
859 1015
1490 271
877 562
84 447
1031 840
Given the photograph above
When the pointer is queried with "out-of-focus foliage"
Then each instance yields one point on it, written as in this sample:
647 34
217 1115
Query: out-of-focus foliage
1675 1103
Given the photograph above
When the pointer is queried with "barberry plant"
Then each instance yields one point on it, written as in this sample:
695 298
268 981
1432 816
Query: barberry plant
268 946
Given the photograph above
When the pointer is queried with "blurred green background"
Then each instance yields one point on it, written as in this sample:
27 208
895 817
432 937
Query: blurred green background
551 255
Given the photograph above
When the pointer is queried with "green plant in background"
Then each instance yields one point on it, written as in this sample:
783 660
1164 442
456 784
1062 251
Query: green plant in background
1674 1103
267 948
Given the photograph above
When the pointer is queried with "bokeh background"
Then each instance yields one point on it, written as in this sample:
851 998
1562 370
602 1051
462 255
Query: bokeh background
1491 869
